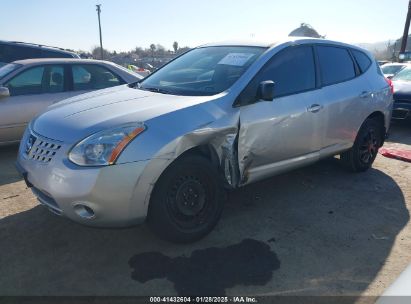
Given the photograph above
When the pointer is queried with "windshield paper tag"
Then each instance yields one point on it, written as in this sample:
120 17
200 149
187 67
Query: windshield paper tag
237 59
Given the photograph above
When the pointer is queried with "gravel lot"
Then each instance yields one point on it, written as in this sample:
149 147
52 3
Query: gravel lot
315 231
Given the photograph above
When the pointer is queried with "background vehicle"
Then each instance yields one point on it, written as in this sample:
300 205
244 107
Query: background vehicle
141 71
221 115
402 95
11 51
28 87
391 69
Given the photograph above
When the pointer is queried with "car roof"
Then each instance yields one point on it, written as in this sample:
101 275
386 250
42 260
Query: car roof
59 60
36 45
269 44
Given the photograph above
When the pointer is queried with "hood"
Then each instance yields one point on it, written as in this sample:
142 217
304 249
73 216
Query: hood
402 90
77 117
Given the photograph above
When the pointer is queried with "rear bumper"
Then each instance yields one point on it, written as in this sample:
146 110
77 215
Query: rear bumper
401 111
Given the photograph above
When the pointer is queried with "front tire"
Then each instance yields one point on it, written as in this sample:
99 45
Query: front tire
365 149
187 200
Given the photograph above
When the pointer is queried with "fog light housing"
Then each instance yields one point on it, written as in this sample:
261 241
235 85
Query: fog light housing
84 211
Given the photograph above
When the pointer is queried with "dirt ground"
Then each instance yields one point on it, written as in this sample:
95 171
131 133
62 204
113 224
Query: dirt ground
315 231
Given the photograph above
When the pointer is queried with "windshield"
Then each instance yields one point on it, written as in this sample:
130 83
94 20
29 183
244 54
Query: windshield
404 75
392 69
202 71
8 68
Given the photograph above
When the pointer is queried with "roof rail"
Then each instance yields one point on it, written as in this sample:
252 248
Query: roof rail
40 45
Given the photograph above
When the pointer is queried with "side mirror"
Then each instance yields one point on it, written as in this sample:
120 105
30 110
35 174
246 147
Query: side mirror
4 92
266 90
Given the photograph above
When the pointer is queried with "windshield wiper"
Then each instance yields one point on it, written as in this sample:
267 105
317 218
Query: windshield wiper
156 90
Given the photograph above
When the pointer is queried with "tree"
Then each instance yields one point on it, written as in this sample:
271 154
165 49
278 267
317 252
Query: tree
183 50
175 46
97 54
153 49
160 50
305 30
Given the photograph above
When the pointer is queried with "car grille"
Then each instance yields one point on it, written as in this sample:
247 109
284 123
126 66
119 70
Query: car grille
41 149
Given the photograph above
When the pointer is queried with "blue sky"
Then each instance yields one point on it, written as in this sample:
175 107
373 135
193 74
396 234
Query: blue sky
130 23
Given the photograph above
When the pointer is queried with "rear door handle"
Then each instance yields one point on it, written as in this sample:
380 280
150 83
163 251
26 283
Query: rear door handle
314 108
365 94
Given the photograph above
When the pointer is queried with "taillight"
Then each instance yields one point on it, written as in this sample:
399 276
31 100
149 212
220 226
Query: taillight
390 84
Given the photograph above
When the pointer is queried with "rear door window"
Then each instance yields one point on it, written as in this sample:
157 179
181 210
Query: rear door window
363 60
55 81
336 64
93 77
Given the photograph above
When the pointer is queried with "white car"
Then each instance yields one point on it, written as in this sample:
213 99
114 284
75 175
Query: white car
28 87
392 69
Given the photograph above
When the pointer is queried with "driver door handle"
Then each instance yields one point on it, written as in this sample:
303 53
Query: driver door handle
365 94
314 108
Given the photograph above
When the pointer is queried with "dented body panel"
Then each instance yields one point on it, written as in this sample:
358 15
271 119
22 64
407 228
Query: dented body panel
246 143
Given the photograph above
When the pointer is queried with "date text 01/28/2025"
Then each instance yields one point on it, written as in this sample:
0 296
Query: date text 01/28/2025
177 299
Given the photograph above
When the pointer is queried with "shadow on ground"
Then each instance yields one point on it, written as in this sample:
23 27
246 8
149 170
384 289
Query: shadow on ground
400 132
329 230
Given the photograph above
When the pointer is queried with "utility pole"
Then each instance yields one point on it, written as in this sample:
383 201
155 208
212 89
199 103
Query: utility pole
406 30
393 52
99 27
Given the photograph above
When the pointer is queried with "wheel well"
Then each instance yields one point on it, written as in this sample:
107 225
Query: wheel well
206 151
209 153
379 116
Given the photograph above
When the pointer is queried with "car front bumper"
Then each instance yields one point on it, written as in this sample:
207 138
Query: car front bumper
108 196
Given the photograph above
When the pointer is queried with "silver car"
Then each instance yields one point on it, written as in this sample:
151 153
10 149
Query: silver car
28 87
219 117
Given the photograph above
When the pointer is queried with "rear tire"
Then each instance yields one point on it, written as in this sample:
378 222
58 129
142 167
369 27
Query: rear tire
187 200
365 149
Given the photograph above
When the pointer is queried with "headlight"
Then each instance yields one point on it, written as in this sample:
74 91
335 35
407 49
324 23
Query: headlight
104 147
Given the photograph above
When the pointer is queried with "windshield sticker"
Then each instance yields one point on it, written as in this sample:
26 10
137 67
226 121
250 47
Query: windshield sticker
237 59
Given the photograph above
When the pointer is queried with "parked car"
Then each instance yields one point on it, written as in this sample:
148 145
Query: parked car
141 71
399 291
382 62
219 116
12 51
402 95
28 87
391 69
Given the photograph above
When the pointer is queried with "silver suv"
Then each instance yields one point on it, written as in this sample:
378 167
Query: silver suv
219 116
